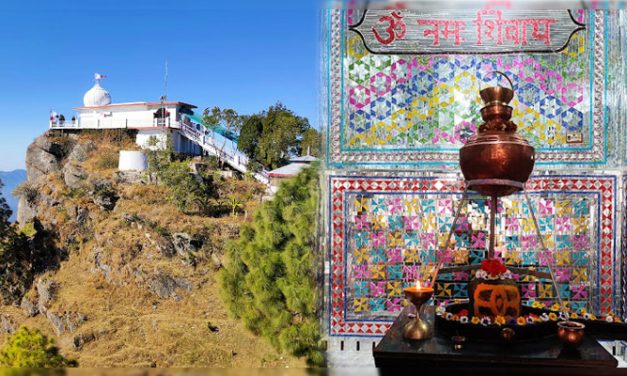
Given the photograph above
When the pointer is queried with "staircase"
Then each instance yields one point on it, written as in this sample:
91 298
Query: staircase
223 148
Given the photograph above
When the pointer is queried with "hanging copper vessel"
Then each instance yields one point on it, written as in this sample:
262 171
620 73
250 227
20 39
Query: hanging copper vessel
496 161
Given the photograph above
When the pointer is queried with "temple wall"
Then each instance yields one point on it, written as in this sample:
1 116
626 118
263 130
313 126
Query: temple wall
394 123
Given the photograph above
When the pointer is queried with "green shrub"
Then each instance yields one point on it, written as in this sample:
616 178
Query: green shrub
32 349
189 192
29 230
269 280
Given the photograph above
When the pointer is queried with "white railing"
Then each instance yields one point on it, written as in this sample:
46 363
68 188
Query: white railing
63 124
223 148
114 124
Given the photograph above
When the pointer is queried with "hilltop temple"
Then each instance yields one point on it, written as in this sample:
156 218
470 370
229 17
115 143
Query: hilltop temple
154 123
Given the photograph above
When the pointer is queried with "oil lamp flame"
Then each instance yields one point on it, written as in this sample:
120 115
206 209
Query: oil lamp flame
417 328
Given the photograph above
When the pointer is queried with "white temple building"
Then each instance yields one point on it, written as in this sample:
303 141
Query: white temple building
150 119
154 122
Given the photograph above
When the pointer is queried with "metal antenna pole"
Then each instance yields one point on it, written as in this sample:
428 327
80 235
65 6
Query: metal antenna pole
165 82
494 202
539 234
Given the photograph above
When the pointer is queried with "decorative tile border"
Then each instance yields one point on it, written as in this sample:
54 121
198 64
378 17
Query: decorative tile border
340 188
623 293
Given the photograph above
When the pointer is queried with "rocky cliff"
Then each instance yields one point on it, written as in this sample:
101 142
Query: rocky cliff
126 279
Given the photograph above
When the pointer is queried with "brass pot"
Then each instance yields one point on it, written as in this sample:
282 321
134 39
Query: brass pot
570 333
496 153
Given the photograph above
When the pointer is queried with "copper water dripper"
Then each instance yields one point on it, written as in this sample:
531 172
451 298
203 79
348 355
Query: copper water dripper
496 161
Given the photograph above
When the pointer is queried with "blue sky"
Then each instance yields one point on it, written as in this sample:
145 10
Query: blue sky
245 55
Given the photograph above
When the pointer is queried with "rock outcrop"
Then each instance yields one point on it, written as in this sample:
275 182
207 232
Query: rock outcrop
30 309
67 322
6 324
46 290
104 196
166 286
45 156
73 175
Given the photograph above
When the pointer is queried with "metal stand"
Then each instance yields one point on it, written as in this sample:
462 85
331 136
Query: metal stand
494 203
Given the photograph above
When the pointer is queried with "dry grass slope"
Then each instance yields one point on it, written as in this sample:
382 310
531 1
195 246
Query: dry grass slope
133 327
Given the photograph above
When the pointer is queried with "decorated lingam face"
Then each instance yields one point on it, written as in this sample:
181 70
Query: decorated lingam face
496 300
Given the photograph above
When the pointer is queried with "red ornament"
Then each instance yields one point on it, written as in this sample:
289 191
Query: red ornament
493 267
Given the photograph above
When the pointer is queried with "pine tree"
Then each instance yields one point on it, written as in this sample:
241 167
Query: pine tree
269 281
16 273
311 143
5 213
249 136
32 349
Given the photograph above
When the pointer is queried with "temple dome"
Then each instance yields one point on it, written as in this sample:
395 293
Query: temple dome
97 96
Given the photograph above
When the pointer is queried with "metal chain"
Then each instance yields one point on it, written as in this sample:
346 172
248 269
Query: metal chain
539 234
440 263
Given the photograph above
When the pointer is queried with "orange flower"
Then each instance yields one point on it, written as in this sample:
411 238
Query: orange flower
500 320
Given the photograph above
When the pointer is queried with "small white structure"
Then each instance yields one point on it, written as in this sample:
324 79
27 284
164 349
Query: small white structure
132 160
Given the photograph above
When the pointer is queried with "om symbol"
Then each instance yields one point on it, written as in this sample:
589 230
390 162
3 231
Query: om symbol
396 28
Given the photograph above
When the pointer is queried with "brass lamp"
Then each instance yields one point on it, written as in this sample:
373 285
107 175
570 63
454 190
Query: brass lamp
418 328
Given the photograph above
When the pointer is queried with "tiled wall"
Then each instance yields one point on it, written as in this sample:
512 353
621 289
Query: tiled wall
393 128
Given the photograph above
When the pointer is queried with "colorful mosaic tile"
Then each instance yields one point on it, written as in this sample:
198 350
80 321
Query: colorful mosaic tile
413 109
385 234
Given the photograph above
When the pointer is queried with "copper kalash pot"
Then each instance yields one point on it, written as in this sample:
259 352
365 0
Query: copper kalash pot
496 161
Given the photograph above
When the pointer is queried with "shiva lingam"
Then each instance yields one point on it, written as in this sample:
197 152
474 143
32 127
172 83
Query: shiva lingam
496 162
418 328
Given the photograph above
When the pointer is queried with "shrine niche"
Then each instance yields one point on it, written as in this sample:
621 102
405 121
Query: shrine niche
397 117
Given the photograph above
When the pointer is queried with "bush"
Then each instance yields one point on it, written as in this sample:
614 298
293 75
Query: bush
269 280
189 192
27 191
32 349
107 160
29 230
